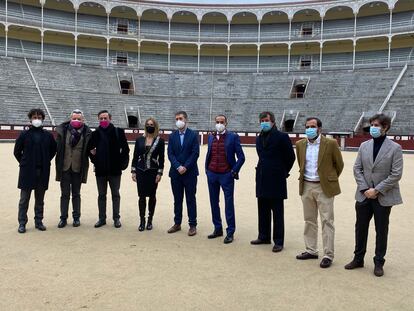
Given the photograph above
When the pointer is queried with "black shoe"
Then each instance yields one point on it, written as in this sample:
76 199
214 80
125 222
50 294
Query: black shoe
40 226
306 255
22 229
62 223
141 226
325 263
258 242
117 223
76 222
277 248
100 223
378 270
149 224
228 239
354 264
215 234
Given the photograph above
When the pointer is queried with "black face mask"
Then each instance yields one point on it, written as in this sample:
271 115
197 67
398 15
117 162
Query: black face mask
150 129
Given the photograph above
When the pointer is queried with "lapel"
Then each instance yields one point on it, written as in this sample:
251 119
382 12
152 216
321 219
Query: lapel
381 153
302 153
322 149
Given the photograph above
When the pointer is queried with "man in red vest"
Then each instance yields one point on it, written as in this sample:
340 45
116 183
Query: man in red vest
222 169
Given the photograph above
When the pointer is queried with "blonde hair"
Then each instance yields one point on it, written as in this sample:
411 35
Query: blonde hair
156 125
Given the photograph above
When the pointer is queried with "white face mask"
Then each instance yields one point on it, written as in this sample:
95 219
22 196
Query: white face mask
180 124
37 123
220 127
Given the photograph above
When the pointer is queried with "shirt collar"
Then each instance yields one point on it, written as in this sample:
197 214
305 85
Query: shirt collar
182 132
316 142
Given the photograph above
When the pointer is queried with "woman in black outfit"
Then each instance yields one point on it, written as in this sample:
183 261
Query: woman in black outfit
147 168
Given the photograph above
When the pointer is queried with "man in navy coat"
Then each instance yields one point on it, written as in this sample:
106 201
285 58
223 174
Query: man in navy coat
183 152
276 158
222 169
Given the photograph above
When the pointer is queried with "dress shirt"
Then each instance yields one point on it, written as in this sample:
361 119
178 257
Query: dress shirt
311 162
182 133
218 135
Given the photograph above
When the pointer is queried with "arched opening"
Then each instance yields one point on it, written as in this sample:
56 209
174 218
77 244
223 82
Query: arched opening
337 55
123 52
401 47
23 42
154 55
184 26
288 125
91 50
214 27
338 22
154 24
92 18
371 52
213 57
123 21
59 46
243 58
273 57
61 10
305 56
184 57
244 27
402 15
306 24
132 121
274 26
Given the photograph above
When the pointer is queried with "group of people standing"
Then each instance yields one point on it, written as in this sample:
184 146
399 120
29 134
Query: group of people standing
377 171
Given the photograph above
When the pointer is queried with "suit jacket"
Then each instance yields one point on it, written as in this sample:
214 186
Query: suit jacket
382 174
276 158
185 155
153 159
330 165
233 148
61 132
24 150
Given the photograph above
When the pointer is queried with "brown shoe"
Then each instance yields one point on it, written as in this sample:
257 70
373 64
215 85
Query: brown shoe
174 228
192 231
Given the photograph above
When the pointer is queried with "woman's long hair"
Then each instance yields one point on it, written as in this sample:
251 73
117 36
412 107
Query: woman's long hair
156 125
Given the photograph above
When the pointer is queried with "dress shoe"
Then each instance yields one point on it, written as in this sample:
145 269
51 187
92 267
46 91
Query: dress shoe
306 255
117 223
277 248
174 228
215 234
141 226
149 224
228 239
62 224
258 242
354 264
378 270
192 231
325 262
22 229
100 223
76 222
40 226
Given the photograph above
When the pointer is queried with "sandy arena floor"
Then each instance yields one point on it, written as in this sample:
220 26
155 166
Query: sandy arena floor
123 269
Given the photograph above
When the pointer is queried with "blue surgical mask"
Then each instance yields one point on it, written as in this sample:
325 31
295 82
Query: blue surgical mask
265 126
375 131
311 132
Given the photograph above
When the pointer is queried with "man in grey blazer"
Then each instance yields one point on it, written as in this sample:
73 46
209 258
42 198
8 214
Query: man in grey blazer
377 171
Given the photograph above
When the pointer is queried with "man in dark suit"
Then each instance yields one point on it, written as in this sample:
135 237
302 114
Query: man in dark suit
276 158
183 152
109 153
34 149
222 169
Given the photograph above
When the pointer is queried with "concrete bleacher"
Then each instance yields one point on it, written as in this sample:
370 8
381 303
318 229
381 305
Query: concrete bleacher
337 97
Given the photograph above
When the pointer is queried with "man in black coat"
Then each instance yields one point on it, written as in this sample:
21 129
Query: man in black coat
34 150
276 158
109 152
72 164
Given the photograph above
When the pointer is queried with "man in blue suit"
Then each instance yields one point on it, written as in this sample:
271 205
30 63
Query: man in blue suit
183 152
222 169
